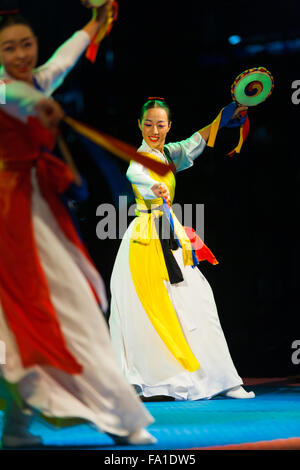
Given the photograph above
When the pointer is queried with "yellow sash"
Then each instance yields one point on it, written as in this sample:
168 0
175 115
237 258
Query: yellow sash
148 270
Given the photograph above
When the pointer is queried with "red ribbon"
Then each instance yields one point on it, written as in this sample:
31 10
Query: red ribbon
202 251
9 12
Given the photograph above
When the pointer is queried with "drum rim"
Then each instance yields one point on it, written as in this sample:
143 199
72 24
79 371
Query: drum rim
246 73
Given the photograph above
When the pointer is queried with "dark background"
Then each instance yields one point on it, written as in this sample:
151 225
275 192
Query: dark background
180 51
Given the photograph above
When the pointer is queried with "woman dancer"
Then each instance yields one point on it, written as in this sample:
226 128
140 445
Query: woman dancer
164 322
59 359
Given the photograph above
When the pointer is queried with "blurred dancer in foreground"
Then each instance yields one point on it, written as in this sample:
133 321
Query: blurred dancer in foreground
59 360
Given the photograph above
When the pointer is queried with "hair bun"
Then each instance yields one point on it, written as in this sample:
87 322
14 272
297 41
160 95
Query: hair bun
151 98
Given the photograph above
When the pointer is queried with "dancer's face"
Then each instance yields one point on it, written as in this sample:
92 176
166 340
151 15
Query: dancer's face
155 126
18 51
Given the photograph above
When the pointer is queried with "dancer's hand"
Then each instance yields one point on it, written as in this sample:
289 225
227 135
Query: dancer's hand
100 14
161 190
49 112
99 17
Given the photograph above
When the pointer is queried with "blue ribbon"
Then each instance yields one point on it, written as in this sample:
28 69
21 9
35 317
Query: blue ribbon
170 218
226 120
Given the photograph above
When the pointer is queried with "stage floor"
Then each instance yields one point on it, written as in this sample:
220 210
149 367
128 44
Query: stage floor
271 420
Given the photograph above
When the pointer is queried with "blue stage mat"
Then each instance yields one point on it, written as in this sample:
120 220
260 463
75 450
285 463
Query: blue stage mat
273 414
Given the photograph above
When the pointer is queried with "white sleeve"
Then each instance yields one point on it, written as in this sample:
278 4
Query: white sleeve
52 74
185 152
20 99
138 175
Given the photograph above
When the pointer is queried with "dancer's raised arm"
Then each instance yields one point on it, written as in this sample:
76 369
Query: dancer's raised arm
205 131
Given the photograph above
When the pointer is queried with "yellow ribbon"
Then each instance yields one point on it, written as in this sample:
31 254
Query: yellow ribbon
214 130
105 27
149 271
237 149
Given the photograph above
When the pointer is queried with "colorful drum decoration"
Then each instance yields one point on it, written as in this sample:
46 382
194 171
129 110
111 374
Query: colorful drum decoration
252 87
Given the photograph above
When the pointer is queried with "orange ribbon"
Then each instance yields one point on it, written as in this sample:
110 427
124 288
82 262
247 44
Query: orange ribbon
92 50
120 149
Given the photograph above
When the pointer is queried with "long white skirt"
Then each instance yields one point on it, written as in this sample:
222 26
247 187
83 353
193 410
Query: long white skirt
143 357
99 394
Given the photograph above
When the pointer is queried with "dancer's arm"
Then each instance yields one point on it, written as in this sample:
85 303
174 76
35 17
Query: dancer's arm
52 74
184 153
22 100
138 175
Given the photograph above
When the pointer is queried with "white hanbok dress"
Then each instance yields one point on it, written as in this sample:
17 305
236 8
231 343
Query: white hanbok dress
143 357
99 393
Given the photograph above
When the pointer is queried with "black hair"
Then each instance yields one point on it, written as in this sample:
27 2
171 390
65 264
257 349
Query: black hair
155 103
12 19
